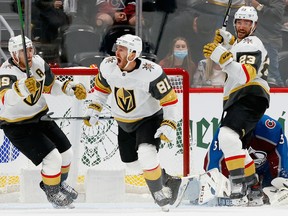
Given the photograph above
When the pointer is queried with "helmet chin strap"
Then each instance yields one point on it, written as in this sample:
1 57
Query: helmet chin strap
129 61
16 56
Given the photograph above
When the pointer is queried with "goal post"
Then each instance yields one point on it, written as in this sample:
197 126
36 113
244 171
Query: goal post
97 146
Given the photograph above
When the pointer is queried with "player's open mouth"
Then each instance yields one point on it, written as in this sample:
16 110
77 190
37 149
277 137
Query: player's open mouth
118 61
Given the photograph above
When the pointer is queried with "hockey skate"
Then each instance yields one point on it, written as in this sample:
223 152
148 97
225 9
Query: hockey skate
68 190
238 194
56 197
255 195
162 198
173 183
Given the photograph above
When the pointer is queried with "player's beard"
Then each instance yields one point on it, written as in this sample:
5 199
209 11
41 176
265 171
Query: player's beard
22 65
243 34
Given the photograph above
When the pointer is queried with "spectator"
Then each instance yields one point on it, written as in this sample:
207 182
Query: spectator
23 105
267 147
192 26
213 78
52 17
217 9
269 27
179 56
35 19
285 16
285 35
110 13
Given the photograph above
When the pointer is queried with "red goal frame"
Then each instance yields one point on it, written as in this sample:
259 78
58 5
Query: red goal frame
186 104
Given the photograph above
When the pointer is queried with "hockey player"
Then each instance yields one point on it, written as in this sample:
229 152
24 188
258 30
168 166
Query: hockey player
246 95
143 103
269 151
24 104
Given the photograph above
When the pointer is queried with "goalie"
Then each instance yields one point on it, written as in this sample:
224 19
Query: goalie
144 105
24 104
268 149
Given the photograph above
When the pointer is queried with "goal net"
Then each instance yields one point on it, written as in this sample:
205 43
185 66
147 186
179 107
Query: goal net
97 146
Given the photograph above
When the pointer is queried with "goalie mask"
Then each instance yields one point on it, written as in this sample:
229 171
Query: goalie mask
247 13
132 42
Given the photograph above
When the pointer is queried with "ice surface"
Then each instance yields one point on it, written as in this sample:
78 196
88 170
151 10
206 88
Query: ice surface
135 209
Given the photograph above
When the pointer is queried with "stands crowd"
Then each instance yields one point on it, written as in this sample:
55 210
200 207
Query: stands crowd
95 25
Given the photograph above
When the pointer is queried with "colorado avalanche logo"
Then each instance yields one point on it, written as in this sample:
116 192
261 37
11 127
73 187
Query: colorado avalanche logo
270 123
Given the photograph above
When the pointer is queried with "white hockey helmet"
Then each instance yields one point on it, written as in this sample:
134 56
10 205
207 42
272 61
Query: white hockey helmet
132 42
247 13
15 43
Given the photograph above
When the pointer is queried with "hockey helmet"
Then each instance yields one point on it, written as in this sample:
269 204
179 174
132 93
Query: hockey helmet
15 43
247 13
132 42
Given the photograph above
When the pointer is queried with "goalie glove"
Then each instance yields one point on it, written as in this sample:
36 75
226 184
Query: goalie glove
225 38
70 88
92 113
26 86
167 131
218 54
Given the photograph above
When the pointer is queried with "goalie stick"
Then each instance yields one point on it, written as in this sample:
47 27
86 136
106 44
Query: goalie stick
209 62
48 117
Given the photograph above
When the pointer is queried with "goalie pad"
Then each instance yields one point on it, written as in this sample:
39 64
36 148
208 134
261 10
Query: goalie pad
280 183
278 193
213 184
277 197
188 190
203 189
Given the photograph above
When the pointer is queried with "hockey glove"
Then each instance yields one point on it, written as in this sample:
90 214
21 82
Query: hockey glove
70 88
32 85
92 112
224 37
167 131
218 54
26 86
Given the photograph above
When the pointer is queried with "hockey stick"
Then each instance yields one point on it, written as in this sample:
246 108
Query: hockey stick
23 36
209 62
226 18
48 117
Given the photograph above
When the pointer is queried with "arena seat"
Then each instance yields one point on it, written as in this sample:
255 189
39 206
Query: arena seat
88 58
111 36
77 39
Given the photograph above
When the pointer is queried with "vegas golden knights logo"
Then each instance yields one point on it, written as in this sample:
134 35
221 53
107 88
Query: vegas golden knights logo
125 99
32 99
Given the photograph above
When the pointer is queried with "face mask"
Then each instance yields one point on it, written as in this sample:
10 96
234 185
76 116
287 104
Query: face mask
180 54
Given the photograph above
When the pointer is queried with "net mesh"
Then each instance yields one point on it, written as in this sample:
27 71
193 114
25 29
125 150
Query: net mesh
98 144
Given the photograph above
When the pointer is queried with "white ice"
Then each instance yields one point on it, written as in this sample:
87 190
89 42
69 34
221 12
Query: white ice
135 209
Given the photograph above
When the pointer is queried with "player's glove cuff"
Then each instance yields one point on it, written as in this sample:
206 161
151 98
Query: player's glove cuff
70 88
92 113
221 56
167 131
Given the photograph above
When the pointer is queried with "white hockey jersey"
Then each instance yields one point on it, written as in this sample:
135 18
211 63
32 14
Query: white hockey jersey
16 109
136 94
248 52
